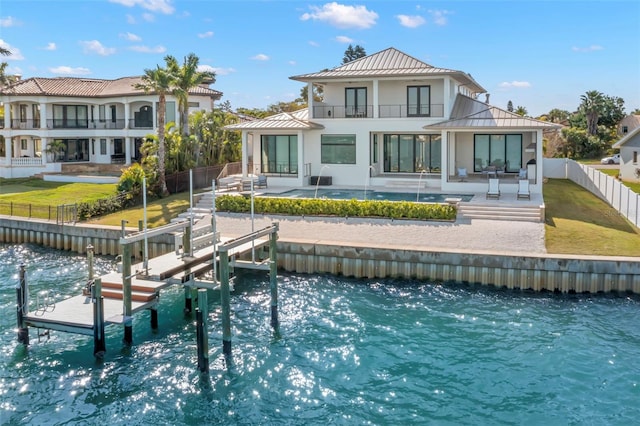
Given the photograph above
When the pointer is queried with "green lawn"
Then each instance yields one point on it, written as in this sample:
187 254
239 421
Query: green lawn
159 212
578 222
634 186
41 193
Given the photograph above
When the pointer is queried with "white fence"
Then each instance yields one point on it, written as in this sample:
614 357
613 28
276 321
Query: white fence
620 197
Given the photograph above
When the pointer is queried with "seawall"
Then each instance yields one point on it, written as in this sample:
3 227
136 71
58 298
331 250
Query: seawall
539 272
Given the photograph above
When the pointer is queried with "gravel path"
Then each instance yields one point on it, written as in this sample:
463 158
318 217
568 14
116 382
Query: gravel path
496 236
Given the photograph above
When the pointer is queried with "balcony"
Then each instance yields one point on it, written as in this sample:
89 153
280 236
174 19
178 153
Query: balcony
110 124
17 123
140 124
384 111
58 123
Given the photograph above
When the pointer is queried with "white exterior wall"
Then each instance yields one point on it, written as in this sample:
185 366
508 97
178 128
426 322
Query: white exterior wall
627 166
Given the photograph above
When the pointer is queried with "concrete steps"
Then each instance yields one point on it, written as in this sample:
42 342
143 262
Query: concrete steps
525 213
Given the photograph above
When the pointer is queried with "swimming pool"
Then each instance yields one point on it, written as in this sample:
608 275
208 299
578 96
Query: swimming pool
349 194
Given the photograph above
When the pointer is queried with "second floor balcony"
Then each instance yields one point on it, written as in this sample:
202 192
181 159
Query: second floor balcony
384 111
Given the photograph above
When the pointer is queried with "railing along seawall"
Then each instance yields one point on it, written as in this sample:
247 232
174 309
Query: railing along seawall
620 197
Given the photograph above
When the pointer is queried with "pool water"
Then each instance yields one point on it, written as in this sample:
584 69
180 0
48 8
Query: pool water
350 194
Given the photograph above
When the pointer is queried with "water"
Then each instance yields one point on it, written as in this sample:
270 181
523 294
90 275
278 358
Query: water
348 352
350 194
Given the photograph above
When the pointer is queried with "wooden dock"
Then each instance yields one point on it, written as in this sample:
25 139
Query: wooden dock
136 287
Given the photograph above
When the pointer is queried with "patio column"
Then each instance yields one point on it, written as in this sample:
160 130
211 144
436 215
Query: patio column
446 105
8 149
245 154
127 151
310 98
43 115
127 113
43 147
376 107
7 115
444 151
301 168
539 158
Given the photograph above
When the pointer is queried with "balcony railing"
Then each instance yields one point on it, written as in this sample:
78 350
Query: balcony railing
26 161
140 124
108 124
17 123
58 123
384 111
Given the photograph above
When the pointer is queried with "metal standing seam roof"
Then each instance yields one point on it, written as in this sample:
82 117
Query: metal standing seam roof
388 63
471 113
86 87
285 120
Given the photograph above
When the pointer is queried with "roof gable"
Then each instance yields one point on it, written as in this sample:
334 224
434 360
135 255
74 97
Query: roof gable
629 136
471 113
388 63
286 120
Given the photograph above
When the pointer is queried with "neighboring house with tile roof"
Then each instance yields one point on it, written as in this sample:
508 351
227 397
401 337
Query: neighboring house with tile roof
94 121
389 119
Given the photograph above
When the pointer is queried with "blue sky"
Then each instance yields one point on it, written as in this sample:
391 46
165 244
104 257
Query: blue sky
538 54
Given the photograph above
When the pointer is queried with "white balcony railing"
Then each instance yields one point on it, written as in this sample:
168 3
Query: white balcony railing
26 161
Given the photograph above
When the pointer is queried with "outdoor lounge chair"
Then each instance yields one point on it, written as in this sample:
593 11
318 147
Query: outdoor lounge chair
494 188
522 174
462 174
523 189
261 182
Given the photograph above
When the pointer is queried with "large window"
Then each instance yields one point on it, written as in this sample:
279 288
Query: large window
355 102
70 116
23 113
338 149
279 154
418 100
412 153
504 152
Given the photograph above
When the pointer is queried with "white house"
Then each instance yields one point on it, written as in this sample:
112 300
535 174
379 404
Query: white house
391 119
94 122
629 147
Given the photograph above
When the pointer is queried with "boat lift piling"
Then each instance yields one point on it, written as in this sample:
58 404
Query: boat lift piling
99 342
22 307
202 313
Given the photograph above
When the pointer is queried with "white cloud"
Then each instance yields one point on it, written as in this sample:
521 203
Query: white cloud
94 46
149 17
16 55
592 48
293 63
514 84
131 19
51 46
130 37
161 6
314 44
147 49
411 21
260 57
64 70
206 35
439 17
9 21
344 39
342 16
217 70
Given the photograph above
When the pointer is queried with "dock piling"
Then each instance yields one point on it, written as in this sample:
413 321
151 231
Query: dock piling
188 301
273 277
126 294
22 307
225 301
202 313
99 343
154 318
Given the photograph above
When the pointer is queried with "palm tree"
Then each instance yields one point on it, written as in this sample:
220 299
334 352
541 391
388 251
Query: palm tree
158 81
4 78
186 77
592 103
521 111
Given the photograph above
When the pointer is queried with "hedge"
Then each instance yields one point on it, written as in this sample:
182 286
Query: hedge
340 208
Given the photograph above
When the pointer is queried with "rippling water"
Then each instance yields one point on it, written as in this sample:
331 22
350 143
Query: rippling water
347 352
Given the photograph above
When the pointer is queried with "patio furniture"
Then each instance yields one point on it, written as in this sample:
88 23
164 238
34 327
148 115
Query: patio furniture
522 174
523 189
494 188
462 174
262 181
490 171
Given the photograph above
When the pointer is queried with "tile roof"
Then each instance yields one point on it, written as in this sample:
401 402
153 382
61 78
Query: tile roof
471 113
283 121
86 87
388 63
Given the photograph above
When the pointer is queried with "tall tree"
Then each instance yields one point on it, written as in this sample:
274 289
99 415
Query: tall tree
160 82
510 106
186 77
558 115
520 110
353 53
4 78
591 106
